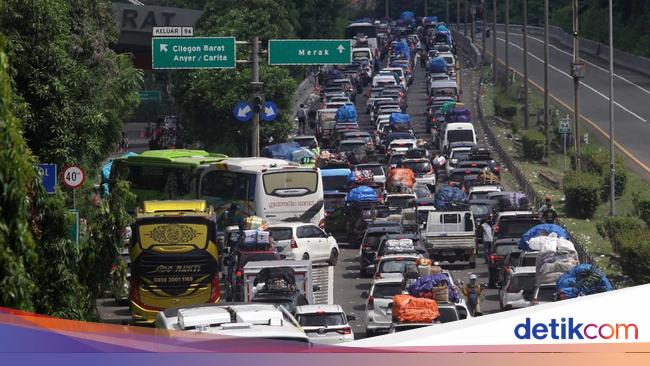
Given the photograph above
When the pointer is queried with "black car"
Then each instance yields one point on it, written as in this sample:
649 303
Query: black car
370 244
457 175
418 245
348 223
498 251
482 164
279 288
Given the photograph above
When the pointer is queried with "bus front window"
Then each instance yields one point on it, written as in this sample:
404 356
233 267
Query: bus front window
285 184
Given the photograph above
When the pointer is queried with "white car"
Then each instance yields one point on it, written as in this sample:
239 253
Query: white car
301 241
402 145
480 192
455 155
517 288
325 324
394 265
383 79
378 315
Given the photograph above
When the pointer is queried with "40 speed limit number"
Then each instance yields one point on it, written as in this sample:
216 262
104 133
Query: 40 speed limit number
73 176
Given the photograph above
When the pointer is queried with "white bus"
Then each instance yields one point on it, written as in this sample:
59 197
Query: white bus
273 189
366 29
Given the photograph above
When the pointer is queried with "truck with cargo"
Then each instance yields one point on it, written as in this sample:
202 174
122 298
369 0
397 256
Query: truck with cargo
450 236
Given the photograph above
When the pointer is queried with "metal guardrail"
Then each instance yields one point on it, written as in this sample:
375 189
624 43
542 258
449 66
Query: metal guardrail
525 185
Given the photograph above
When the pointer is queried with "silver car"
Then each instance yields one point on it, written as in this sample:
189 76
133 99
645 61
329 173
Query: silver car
325 324
379 301
517 288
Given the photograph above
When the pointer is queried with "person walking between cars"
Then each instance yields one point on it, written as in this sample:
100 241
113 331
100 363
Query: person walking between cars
302 118
472 291
547 211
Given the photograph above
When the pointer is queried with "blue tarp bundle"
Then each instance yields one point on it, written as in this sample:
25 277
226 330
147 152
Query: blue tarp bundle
346 114
437 65
362 194
425 284
106 169
281 151
458 115
541 229
448 195
399 118
402 49
441 28
333 74
583 279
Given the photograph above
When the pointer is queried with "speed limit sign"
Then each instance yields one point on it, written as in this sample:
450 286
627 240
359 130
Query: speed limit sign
73 176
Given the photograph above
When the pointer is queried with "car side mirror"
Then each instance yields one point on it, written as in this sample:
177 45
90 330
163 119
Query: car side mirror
316 288
351 317
390 305
364 295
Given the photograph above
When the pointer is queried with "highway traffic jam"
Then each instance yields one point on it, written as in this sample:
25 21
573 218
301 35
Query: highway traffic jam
384 213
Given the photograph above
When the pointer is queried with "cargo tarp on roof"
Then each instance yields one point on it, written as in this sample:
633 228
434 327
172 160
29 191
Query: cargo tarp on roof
346 114
334 74
541 230
399 118
447 106
458 115
409 309
362 194
441 28
583 279
425 284
281 151
447 196
437 65
512 201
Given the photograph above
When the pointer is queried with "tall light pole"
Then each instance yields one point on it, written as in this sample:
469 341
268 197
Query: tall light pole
612 169
507 51
526 114
546 122
494 42
466 16
483 28
577 71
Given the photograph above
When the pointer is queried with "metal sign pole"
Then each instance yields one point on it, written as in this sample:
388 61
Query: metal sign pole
564 150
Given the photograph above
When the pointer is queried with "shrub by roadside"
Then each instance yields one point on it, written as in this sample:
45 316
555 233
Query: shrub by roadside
613 226
596 160
634 250
533 145
582 194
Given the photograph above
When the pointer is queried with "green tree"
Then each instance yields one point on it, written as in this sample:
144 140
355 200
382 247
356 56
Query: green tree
77 90
16 174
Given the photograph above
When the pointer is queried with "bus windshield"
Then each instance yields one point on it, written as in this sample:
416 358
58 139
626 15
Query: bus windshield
290 183
368 30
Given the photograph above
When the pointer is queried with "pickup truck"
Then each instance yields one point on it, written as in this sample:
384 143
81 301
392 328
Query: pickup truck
303 275
450 236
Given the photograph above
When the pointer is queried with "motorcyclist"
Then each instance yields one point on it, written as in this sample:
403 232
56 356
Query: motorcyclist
231 217
547 212
472 291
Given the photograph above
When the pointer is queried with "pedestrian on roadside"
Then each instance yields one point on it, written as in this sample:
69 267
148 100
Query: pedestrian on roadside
302 118
124 143
547 211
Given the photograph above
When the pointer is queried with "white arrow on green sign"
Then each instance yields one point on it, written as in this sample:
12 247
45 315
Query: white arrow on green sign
193 53
310 52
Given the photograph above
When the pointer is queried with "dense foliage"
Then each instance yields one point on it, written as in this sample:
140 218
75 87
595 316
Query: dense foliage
582 192
533 145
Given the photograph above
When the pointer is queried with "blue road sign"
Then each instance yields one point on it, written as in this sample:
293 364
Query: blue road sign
243 112
48 174
271 111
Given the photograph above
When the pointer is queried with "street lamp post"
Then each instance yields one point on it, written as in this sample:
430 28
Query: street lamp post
483 28
494 42
526 114
466 8
577 71
546 122
507 50
612 169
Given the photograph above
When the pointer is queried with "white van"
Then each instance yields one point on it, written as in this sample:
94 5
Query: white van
444 87
458 132
362 53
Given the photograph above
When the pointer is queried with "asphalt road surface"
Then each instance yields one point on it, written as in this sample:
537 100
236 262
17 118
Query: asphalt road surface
631 92
348 285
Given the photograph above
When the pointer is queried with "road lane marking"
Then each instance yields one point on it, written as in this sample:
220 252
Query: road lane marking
587 62
593 124
582 82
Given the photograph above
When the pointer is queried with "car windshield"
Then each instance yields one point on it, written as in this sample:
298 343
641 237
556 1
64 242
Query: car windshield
477 196
523 282
321 319
460 135
281 233
480 210
417 166
528 261
546 294
256 257
376 169
335 183
386 290
460 155
373 239
505 249
447 314
396 265
515 228
400 201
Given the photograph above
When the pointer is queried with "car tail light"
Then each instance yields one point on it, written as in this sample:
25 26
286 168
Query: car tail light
321 223
344 331
371 303
239 273
494 258
294 245
506 268
497 228
366 246
215 291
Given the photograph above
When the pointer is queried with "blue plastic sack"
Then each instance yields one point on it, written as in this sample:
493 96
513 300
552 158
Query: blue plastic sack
427 283
448 195
583 279
281 151
106 169
437 65
441 28
346 114
399 118
541 229
362 194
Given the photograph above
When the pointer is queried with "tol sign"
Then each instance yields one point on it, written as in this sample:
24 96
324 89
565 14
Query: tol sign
310 52
193 53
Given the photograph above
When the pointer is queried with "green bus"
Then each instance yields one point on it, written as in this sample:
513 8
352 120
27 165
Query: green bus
164 174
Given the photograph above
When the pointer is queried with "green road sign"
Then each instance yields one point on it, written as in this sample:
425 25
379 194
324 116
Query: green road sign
149 95
564 126
193 53
310 52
